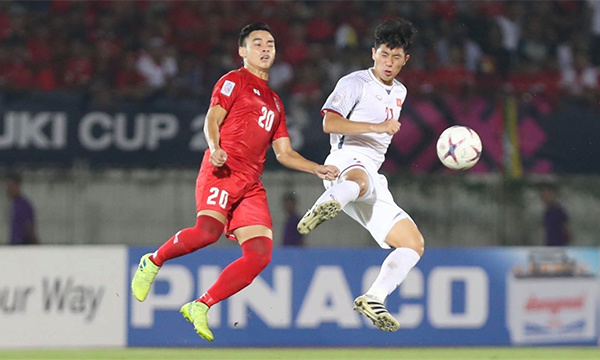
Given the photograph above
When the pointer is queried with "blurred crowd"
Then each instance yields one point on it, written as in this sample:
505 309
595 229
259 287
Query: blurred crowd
127 51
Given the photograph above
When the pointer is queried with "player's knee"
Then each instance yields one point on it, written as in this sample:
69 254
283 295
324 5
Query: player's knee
364 187
412 240
209 225
258 250
415 243
360 177
259 259
207 229
262 260
418 244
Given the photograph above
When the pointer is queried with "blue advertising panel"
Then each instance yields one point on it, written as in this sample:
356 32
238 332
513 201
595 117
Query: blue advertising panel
492 296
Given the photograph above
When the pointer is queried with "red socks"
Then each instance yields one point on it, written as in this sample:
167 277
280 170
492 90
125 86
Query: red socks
206 231
256 255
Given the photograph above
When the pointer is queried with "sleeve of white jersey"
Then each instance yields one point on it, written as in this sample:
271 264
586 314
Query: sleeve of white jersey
345 96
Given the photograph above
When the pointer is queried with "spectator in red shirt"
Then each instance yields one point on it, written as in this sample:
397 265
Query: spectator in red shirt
306 89
128 82
79 67
296 49
16 71
46 78
5 26
321 28
40 46
455 77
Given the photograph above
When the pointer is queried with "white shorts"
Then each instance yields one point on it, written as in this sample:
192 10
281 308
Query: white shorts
376 210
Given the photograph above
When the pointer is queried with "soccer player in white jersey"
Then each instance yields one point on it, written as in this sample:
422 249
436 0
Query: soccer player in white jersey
361 115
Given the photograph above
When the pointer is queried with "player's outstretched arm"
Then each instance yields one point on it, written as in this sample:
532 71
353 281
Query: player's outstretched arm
289 158
334 123
212 123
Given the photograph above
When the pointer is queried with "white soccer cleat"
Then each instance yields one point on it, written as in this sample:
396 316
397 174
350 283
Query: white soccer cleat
318 215
377 312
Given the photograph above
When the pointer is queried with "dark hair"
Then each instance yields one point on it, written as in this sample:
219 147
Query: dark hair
246 30
395 33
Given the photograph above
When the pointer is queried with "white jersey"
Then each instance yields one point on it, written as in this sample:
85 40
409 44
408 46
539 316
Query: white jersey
360 97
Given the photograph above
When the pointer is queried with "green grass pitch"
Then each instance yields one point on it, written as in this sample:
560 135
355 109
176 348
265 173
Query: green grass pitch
508 353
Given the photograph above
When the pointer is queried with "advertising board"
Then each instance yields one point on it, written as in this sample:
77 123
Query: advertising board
62 296
305 296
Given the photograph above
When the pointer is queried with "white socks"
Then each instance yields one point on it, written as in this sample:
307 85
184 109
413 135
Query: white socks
396 265
393 271
344 192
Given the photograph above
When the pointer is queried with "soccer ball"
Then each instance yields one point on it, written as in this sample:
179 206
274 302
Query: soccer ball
459 147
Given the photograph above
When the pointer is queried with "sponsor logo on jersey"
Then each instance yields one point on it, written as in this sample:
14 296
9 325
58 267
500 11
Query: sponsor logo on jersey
399 102
256 92
276 103
227 88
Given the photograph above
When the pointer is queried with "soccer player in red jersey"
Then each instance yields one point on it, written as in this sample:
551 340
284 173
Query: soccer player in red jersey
245 116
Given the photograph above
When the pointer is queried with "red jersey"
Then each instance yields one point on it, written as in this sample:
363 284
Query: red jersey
255 117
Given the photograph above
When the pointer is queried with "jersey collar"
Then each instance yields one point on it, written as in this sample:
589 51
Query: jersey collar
254 76
387 88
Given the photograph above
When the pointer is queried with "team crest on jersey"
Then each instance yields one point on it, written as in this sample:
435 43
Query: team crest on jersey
276 104
227 88
337 99
399 102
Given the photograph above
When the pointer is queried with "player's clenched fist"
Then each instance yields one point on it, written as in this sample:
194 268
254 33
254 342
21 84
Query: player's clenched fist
390 127
218 157
327 172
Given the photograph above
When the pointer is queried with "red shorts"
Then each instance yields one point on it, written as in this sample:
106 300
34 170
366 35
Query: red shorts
241 198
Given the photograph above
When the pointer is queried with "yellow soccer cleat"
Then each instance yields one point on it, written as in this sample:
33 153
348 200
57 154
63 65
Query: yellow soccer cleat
197 313
143 278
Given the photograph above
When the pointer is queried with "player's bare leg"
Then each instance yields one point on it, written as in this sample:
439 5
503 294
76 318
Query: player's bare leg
352 185
409 247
